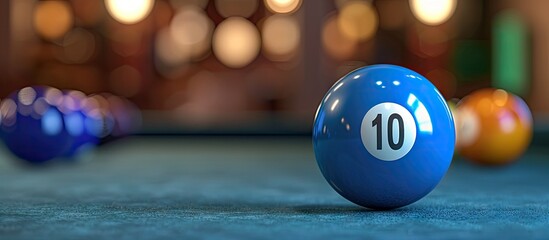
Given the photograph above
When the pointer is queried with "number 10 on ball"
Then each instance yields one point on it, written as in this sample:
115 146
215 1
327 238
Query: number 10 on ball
383 136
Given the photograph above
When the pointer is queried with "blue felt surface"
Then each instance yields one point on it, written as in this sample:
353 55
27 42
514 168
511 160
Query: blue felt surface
265 188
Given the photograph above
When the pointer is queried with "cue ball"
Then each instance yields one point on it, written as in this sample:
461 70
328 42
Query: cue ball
495 127
383 136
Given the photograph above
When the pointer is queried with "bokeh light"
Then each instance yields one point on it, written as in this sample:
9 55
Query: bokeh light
99 109
240 8
52 122
129 11
53 96
433 12
74 100
168 51
26 96
236 42
283 6
358 20
192 31
8 109
78 46
187 39
52 19
40 107
511 52
335 43
281 37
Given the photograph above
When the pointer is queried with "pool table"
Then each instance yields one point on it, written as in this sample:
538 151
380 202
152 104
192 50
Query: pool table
253 187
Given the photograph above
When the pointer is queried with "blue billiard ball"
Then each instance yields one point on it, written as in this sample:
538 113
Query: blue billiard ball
103 112
82 122
383 136
127 116
32 125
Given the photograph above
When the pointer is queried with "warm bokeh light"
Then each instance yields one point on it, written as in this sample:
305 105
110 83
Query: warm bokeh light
168 51
358 20
433 12
236 42
232 8
335 43
78 46
187 39
39 107
1 115
281 37
129 11
8 109
192 29
283 6
99 109
26 96
53 96
52 19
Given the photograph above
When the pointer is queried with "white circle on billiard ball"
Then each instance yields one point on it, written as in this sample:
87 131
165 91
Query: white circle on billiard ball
468 127
388 131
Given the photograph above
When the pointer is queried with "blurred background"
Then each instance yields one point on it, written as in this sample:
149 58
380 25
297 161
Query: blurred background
262 66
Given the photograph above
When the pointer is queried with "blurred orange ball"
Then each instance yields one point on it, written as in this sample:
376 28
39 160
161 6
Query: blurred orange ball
494 126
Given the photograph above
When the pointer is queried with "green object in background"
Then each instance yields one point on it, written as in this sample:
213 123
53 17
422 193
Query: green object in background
471 59
511 61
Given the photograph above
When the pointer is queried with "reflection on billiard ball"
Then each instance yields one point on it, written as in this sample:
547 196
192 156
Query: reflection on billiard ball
33 126
495 127
83 122
383 136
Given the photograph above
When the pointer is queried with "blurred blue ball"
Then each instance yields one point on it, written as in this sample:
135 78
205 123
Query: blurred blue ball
33 125
82 122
